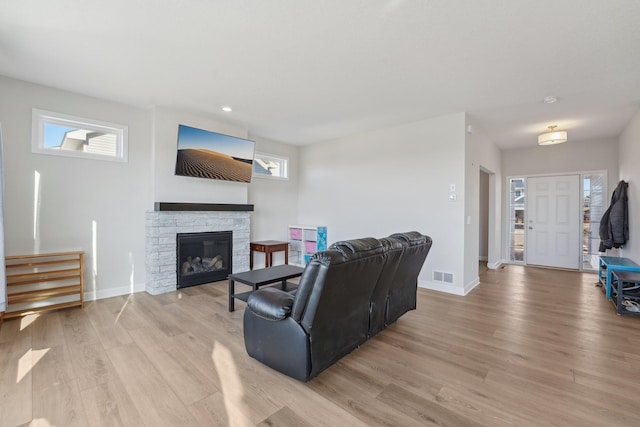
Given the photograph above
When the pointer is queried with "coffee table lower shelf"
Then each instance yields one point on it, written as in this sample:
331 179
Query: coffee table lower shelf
262 277
287 287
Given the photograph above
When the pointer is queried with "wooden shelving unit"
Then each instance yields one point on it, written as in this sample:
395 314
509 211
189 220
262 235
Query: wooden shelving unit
44 282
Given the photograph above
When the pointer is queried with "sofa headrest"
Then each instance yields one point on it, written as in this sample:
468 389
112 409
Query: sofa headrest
328 257
413 238
391 243
358 248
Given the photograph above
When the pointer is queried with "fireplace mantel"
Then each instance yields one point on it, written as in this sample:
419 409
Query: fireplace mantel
201 207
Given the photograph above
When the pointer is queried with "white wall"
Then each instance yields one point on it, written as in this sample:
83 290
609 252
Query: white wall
392 180
572 156
74 194
480 152
93 205
167 187
3 278
275 201
371 184
629 155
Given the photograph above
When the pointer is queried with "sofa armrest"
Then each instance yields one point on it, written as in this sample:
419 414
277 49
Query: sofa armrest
283 345
270 304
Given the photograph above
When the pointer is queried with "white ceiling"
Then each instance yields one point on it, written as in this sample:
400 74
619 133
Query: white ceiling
302 71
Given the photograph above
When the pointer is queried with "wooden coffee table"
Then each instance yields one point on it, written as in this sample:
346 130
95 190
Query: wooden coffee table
261 277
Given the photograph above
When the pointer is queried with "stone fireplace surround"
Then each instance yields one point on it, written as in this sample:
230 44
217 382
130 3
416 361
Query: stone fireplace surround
168 219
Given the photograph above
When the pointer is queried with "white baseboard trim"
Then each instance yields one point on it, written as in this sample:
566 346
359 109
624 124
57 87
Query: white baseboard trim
495 265
449 289
483 258
471 285
441 287
113 292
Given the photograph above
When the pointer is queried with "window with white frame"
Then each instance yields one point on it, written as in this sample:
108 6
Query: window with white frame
516 219
594 203
64 135
270 166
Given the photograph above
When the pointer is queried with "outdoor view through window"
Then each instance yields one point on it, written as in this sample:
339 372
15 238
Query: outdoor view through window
63 135
59 137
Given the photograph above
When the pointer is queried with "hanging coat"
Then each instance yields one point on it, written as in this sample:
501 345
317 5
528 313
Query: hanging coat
614 225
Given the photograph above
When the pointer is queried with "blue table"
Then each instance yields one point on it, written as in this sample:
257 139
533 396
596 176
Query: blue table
609 263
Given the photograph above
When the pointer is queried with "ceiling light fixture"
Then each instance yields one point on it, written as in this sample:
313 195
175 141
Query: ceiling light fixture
549 99
553 136
227 109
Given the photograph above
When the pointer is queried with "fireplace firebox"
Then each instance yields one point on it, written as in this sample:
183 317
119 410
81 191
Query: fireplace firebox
203 257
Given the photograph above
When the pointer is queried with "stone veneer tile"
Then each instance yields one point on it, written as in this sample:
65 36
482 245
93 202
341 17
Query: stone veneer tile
161 229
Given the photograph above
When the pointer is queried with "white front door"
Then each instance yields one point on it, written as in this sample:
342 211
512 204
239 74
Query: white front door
553 221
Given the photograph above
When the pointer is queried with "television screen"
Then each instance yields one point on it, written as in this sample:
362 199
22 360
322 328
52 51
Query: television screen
206 154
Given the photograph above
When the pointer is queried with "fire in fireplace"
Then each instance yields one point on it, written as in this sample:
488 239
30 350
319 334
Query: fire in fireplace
203 257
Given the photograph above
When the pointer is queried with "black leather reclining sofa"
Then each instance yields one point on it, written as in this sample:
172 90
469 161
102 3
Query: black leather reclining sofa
346 295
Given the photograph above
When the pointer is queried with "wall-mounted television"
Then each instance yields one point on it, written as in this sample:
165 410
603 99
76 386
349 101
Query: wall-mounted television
206 154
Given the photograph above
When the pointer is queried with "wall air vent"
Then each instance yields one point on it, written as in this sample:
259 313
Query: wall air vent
441 276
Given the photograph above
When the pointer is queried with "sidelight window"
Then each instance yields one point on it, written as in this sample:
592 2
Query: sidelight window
593 206
516 219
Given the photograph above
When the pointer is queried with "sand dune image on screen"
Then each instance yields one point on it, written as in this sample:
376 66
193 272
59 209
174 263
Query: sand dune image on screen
201 163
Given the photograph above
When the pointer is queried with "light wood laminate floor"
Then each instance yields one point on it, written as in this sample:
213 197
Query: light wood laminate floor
527 347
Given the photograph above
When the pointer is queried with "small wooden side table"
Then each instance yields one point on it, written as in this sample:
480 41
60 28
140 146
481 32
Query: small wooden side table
268 247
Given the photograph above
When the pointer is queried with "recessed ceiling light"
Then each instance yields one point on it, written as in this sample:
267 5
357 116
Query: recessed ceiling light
549 99
227 109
